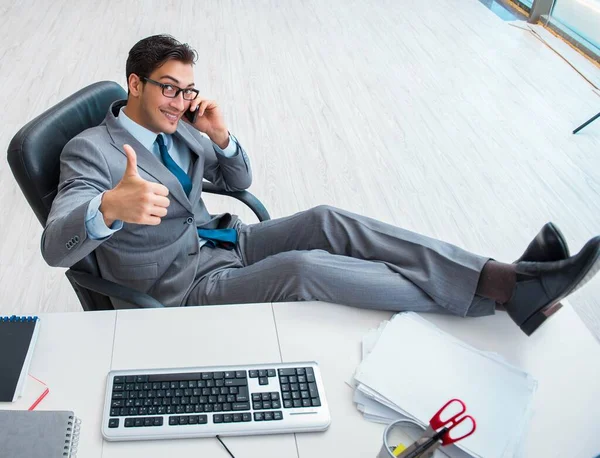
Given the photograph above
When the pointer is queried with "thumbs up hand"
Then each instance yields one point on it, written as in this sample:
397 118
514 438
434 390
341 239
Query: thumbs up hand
133 199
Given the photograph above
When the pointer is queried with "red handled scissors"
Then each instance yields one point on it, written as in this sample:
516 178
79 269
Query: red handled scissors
448 417
440 431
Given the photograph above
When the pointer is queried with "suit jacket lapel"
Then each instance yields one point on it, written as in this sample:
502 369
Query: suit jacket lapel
145 159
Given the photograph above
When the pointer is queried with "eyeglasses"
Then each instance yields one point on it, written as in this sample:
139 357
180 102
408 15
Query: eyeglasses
168 90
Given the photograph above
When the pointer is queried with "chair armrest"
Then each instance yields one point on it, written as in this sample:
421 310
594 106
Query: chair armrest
249 199
113 290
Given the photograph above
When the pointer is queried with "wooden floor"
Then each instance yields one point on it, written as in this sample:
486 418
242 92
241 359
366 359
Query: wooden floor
435 116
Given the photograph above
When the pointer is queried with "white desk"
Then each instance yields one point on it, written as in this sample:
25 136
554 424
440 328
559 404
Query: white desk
76 351
72 356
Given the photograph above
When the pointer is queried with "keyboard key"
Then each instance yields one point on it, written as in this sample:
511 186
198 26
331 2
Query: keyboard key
293 379
262 373
256 397
268 416
158 421
288 404
141 379
240 374
174 420
278 415
240 406
271 373
302 379
114 412
113 423
275 404
316 402
303 386
309 371
265 396
229 374
306 403
258 416
193 420
138 422
148 422
237 417
287 396
301 371
129 423
119 379
297 403
294 387
246 416
202 419
218 418
227 418
257 405
291 371
285 387
304 394
266 404
275 396
284 379
218 375
236 381
207 375
263 381
183 420
118 387
253 374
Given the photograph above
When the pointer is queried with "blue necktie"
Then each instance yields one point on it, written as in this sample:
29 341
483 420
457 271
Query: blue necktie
183 178
225 238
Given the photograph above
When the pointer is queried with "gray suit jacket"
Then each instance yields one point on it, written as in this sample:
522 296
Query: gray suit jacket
160 260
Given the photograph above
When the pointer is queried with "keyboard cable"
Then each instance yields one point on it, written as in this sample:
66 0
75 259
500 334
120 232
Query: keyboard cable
223 444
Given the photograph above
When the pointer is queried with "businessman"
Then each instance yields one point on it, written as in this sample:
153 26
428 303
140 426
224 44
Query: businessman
131 190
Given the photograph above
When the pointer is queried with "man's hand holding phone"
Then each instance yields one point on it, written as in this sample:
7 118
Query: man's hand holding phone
133 199
205 115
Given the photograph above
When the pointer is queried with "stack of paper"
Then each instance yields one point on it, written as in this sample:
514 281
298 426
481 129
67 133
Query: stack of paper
411 368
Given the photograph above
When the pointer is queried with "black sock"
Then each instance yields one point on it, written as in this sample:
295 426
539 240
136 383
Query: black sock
497 281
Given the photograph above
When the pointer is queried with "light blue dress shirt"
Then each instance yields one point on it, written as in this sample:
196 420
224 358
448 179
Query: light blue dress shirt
94 219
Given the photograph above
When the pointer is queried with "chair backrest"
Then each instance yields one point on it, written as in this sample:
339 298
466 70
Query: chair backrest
34 158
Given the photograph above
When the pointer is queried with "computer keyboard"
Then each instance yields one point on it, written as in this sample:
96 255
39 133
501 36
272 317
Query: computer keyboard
209 401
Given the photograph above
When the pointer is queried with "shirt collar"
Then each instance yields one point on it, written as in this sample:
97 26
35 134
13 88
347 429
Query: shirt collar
144 136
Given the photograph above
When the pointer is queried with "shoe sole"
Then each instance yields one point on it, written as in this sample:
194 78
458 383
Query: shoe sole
541 315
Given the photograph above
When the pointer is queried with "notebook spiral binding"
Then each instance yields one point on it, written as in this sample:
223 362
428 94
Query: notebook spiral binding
72 437
17 319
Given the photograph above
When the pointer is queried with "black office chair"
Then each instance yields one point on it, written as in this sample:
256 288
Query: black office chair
34 158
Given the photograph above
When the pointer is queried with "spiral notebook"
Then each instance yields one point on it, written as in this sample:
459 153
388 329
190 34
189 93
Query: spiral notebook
17 341
38 434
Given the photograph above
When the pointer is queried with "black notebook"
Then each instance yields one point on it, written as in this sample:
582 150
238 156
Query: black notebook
38 434
17 340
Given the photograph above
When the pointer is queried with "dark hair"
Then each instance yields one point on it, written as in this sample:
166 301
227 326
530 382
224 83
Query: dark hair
151 53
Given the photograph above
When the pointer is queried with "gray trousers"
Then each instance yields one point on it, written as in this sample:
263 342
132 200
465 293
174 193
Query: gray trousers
332 255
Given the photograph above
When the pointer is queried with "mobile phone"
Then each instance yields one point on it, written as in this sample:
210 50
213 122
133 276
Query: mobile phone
192 115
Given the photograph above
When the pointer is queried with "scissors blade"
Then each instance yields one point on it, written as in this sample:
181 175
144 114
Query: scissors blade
424 445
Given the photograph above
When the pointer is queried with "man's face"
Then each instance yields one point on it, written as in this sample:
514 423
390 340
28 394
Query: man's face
157 112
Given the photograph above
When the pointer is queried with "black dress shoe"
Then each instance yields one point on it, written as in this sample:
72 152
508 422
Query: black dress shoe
549 245
542 285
